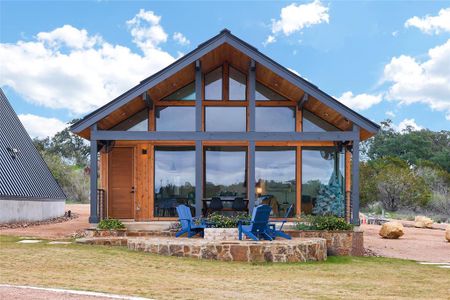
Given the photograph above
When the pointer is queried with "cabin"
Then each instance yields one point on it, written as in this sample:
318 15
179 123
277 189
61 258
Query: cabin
28 191
224 128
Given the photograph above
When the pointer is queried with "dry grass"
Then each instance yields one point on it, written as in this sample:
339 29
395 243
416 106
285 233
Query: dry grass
117 270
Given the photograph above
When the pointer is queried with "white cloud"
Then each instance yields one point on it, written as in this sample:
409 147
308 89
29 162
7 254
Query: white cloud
360 101
296 17
394 33
431 24
41 127
146 31
406 124
68 68
270 39
390 113
181 39
428 82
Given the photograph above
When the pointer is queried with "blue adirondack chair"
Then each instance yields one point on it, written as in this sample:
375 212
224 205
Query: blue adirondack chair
188 223
274 232
258 227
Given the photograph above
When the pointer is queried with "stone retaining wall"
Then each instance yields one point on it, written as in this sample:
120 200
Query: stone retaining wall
221 234
295 250
339 243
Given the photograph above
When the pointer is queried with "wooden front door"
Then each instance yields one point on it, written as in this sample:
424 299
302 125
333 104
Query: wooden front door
121 183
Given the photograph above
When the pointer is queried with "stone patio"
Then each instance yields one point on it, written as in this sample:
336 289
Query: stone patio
295 250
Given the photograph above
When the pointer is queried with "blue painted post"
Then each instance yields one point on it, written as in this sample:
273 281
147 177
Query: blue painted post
93 218
252 128
355 177
198 143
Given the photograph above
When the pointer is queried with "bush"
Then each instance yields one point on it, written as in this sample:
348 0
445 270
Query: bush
111 224
330 223
221 221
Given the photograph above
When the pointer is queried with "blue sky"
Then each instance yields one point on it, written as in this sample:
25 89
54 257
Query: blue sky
60 60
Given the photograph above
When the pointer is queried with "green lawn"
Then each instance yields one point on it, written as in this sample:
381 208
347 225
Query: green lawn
117 270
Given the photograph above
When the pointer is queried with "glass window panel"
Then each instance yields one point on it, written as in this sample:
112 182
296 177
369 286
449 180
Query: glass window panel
225 173
175 118
213 85
137 122
174 179
185 93
275 178
237 85
226 118
312 123
323 181
275 119
263 93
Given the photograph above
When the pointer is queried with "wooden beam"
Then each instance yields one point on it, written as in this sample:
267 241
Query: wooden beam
348 184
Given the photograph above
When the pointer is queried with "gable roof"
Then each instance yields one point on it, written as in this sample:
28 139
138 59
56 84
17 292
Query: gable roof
23 172
225 37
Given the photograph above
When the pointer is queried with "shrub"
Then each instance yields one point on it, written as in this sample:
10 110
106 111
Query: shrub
328 222
111 224
221 221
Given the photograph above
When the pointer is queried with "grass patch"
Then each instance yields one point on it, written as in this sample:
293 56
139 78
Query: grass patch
118 270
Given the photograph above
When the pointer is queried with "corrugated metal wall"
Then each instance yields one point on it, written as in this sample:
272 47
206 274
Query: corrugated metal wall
23 174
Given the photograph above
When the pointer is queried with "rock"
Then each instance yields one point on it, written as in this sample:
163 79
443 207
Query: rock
447 233
423 222
391 230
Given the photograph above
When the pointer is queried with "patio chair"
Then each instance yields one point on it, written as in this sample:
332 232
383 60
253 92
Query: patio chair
258 227
188 224
239 204
274 232
215 205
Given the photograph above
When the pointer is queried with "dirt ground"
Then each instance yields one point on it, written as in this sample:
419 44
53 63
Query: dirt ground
56 230
417 244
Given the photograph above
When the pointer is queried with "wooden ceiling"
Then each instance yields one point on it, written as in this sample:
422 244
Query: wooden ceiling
241 62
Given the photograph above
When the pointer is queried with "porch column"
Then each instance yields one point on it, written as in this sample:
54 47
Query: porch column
93 218
355 178
252 128
198 144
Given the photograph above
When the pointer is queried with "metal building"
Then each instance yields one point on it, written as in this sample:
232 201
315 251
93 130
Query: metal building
28 191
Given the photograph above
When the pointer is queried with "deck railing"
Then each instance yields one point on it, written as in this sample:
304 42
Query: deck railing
101 201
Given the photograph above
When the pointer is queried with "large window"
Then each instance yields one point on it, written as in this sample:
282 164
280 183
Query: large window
175 118
174 179
323 181
137 122
237 85
185 93
312 123
275 119
213 85
263 93
225 118
225 172
275 177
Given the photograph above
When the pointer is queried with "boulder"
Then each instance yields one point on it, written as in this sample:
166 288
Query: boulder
423 222
447 233
391 230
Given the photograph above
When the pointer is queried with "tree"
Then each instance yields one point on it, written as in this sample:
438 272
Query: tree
400 187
